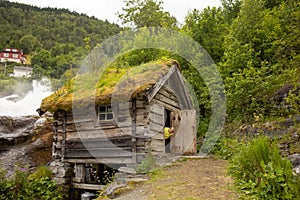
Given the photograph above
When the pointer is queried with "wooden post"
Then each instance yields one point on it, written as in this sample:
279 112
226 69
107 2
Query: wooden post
133 131
79 173
55 140
64 137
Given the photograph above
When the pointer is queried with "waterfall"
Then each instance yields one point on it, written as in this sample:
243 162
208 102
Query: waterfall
13 106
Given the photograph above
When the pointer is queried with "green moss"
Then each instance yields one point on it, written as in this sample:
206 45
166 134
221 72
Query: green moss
124 83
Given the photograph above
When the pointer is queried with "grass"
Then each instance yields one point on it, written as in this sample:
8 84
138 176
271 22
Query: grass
124 83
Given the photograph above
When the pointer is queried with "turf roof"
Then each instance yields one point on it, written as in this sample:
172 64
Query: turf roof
121 84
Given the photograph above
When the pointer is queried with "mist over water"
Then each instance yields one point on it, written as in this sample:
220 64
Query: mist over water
14 106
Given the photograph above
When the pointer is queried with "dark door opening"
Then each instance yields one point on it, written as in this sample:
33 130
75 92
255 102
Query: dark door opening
167 124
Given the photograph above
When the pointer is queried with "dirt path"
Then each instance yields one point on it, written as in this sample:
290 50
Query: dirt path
187 180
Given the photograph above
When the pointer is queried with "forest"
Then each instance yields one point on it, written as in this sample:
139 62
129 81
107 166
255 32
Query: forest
254 43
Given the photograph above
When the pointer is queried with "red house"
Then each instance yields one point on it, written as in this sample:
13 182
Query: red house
12 55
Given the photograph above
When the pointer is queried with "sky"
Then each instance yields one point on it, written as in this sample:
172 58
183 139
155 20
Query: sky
107 9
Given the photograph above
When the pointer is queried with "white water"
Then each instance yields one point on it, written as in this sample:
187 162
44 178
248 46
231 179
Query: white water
27 105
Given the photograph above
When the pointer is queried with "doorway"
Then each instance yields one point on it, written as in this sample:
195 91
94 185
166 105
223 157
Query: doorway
167 124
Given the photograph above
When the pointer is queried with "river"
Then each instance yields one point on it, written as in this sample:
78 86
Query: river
14 106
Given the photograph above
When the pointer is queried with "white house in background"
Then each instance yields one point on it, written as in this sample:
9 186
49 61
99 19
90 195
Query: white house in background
20 71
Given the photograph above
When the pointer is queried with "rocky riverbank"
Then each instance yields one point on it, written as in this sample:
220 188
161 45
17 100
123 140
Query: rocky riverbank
25 142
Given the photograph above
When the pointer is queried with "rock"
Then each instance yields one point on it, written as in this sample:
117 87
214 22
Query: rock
15 130
38 142
136 179
127 170
295 159
297 169
40 123
113 187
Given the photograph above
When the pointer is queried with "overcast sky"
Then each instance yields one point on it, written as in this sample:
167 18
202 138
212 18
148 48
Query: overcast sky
107 9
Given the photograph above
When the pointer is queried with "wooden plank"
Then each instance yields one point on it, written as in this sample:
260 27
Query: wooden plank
98 143
98 153
166 100
133 131
156 127
184 139
117 160
124 113
185 93
160 83
167 94
142 111
106 142
79 170
98 133
88 186
63 141
124 119
156 109
158 136
157 119
124 124
124 106
141 120
141 103
167 106
157 145
141 130
76 122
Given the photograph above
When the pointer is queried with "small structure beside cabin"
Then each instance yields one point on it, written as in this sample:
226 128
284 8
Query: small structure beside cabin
124 121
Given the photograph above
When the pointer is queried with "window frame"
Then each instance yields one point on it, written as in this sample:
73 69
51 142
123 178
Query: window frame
106 112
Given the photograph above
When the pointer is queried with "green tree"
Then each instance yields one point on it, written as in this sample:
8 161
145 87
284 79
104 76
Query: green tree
146 13
259 55
209 29
42 63
29 43
231 9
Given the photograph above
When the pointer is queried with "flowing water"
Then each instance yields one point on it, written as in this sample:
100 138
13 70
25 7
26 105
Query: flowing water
14 106
17 125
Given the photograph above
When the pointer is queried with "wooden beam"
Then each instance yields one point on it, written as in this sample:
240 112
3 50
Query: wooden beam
160 83
133 131
88 186
99 160
98 153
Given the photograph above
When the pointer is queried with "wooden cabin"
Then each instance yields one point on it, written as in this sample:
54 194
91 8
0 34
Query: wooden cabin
125 123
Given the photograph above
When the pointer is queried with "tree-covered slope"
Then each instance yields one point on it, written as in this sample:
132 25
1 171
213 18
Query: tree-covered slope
31 28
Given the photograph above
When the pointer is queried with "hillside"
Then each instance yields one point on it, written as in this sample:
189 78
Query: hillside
29 27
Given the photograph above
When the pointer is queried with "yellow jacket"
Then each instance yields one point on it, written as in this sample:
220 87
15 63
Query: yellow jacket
166 133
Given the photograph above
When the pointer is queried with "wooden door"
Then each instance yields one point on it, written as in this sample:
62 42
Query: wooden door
185 137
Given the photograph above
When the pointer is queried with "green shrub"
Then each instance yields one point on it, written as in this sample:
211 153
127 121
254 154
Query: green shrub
226 147
261 172
147 165
23 186
41 172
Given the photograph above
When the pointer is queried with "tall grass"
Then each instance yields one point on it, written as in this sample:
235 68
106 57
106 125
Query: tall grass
261 172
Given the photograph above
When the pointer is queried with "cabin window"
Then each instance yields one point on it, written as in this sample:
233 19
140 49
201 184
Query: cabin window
6 55
15 55
105 113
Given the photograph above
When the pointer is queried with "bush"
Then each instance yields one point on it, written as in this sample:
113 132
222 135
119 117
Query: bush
23 186
260 171
147 165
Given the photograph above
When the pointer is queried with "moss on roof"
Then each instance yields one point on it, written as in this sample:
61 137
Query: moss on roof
117 83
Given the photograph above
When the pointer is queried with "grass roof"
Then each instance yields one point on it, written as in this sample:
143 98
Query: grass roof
121 84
